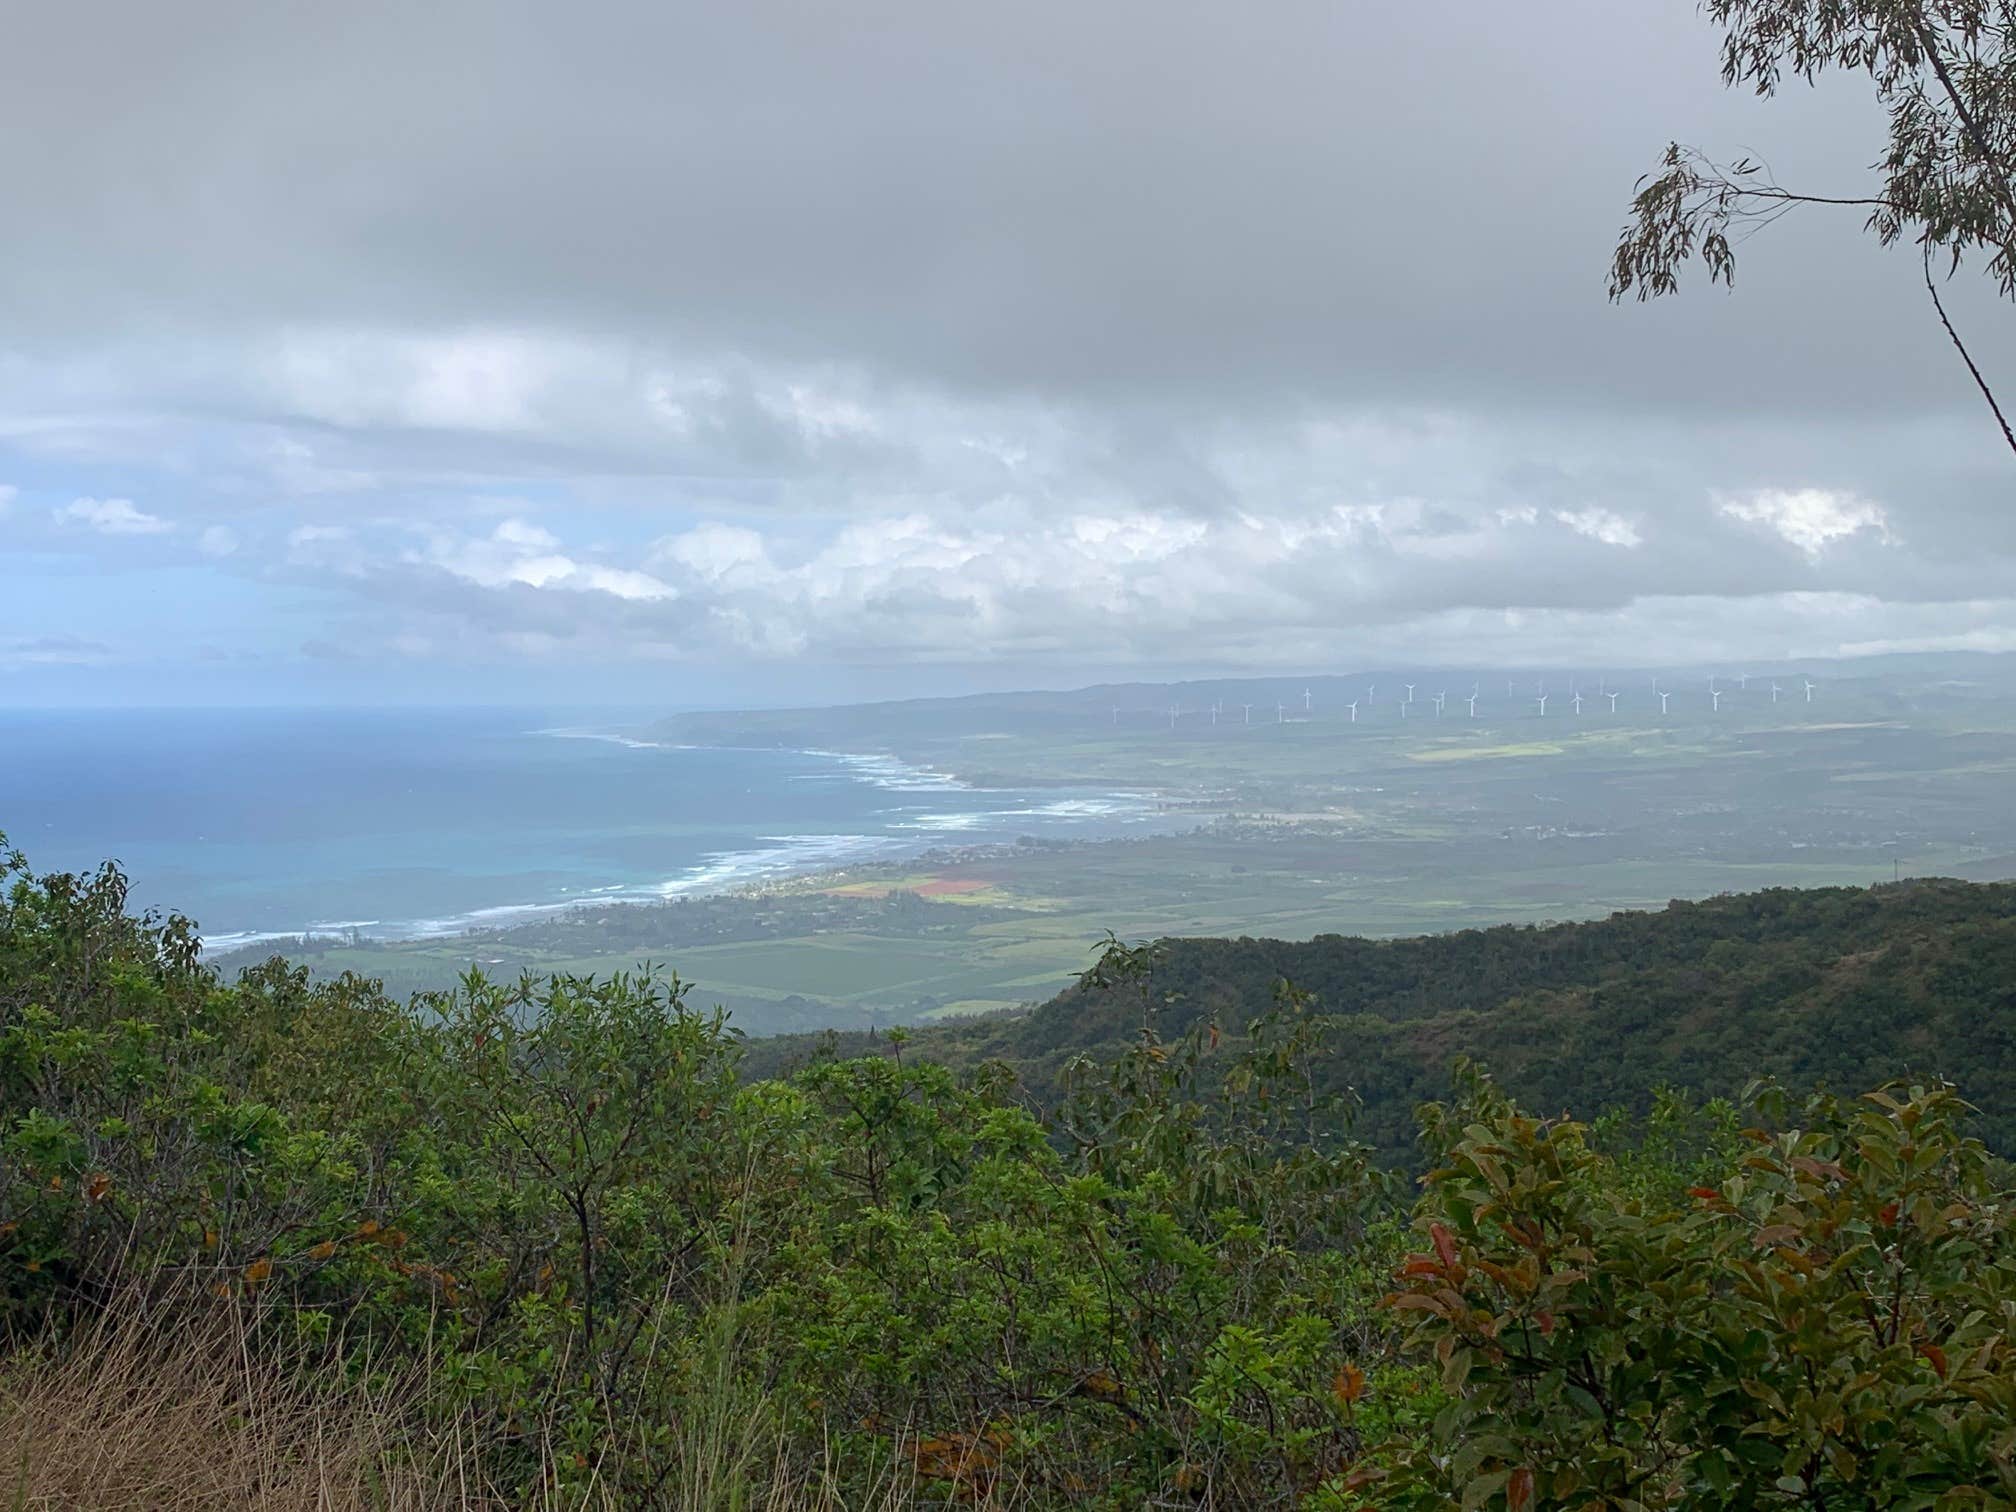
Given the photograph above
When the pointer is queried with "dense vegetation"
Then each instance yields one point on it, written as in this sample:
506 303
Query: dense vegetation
1842 987
583 1258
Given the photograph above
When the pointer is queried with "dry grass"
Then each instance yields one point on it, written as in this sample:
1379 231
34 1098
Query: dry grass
168 1408
130 1413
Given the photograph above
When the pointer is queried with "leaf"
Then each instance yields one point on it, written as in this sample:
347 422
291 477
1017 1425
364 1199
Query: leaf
1348 1384
1545 1319
323 1250
98 1187
1887 1214
1519 1490
1937 1356
1101 1384
1705 1194
1445 1243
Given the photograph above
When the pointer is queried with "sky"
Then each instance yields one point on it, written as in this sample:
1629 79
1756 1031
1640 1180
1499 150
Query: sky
650 352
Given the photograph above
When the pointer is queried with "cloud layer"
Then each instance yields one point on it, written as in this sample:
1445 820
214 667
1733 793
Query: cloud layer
906 335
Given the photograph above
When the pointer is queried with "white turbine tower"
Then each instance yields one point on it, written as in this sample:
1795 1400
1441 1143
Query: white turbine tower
1441 699
1577 701
1543 705
1410 690
1116 714
1716 700
1353 707
1172 716
1809 689
1305 700
1280 713
1662 701
1214 714
1775 691
1711 684
1249 712
1613 701
1472 701
1743 682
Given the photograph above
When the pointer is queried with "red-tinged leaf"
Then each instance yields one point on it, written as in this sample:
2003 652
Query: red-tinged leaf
1887 1214
1405 1301
1706 1194
1445 1243
1421 1265
1519 1490
1937 1356
1348 1385
1546 1321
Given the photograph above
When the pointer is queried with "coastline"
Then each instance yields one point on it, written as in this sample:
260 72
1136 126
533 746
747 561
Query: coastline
789 863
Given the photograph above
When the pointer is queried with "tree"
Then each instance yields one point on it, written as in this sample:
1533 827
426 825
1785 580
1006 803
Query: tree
1944 72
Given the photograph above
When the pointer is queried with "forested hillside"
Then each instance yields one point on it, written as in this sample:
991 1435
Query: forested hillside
1843 987
550 1244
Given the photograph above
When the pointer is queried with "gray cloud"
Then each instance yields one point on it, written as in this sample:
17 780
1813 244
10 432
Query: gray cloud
909 331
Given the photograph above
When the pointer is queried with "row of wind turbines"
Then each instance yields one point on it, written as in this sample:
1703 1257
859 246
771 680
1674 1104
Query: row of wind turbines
1439 701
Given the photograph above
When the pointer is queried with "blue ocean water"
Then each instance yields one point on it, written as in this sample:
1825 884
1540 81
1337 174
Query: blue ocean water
403 823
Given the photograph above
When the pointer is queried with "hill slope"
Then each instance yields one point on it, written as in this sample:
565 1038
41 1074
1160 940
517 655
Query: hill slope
1843 986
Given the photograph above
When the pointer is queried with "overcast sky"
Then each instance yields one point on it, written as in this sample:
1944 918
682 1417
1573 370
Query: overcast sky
652 351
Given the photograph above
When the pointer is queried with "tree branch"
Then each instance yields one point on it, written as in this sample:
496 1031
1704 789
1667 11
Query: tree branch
1959 346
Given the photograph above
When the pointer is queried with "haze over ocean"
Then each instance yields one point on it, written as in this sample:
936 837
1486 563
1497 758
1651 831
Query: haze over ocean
404 822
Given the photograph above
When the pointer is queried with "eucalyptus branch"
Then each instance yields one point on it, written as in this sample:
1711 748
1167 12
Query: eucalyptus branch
1932 288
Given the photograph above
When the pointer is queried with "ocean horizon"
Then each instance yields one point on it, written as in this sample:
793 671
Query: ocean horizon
264 824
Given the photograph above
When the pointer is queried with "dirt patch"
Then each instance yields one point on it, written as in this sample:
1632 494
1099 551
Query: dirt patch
951 887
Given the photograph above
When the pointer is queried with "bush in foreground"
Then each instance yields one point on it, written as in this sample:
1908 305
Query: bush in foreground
540 1244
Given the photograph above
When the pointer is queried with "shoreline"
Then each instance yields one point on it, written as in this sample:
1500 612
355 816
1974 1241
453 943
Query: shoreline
793 864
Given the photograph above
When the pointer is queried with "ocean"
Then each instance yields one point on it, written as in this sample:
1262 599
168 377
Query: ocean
399 823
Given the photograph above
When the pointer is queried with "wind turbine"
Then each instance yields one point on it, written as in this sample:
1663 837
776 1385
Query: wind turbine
1353 707
1716 696
1249 712
1711 684
1662 701
1543 705
1743 682
1441 699
1410 687
1116 714
1472 701
1809 689
1305 700
1613 701
1280 713
1775 690
1577 701
1172 716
